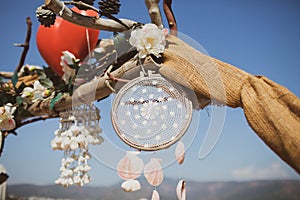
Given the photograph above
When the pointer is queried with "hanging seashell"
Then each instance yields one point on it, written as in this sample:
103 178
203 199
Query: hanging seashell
130 166
131 185
155 195
180 190
180 152
153 172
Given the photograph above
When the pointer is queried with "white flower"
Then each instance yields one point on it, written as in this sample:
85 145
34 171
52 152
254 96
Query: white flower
66 60
6 117
37 92
148 40
30 68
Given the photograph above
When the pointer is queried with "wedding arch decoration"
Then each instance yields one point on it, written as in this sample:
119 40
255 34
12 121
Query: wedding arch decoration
158 80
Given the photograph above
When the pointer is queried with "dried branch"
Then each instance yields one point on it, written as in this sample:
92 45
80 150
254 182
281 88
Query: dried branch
154 12
32 120
170 16
25 45
59 7
88 92
80 3
6 74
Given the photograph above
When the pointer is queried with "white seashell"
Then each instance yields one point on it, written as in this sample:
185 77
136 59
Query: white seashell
180 190
153 172
155 195
180 152
130 166
131 185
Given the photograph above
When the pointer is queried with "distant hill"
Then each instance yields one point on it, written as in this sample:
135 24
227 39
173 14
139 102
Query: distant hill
253 190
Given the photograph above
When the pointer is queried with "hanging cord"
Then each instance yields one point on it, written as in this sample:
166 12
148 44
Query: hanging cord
142 67
62 10
88 41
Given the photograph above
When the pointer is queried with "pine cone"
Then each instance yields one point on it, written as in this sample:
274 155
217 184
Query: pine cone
89 2
109 7
45 16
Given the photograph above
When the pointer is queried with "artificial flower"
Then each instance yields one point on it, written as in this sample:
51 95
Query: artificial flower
68 59
7 121
148 40
37 92
30 68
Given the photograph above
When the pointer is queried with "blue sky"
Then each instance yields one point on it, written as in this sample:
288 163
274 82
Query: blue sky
260 37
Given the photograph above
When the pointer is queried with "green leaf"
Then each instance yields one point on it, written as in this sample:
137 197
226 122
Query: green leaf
24 113
62 88
47 83
19 100
52 76
54 100
14 78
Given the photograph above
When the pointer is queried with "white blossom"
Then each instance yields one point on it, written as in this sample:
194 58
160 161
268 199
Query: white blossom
37 92
148 40
6 117
66 60
30 68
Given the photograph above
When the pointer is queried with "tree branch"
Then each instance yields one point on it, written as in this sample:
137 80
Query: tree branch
58 7
25 45
154 12
6 74
170 16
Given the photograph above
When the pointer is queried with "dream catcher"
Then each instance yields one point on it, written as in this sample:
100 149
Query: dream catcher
150 113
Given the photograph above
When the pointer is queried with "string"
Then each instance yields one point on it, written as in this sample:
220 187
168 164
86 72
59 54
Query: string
63 8
88 41
141 65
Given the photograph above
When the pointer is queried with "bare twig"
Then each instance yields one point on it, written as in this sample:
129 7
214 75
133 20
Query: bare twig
6 74
80 3
25 45
170 16
154 12
58 7
32 120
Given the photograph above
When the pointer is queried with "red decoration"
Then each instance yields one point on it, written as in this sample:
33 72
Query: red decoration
62 36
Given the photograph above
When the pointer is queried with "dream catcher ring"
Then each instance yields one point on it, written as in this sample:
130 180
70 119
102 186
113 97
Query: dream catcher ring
150 113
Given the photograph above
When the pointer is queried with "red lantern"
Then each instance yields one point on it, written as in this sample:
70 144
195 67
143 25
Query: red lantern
64 35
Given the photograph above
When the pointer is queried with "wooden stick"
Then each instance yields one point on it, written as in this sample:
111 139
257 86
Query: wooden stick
25 45
58 7
154 12
170 16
